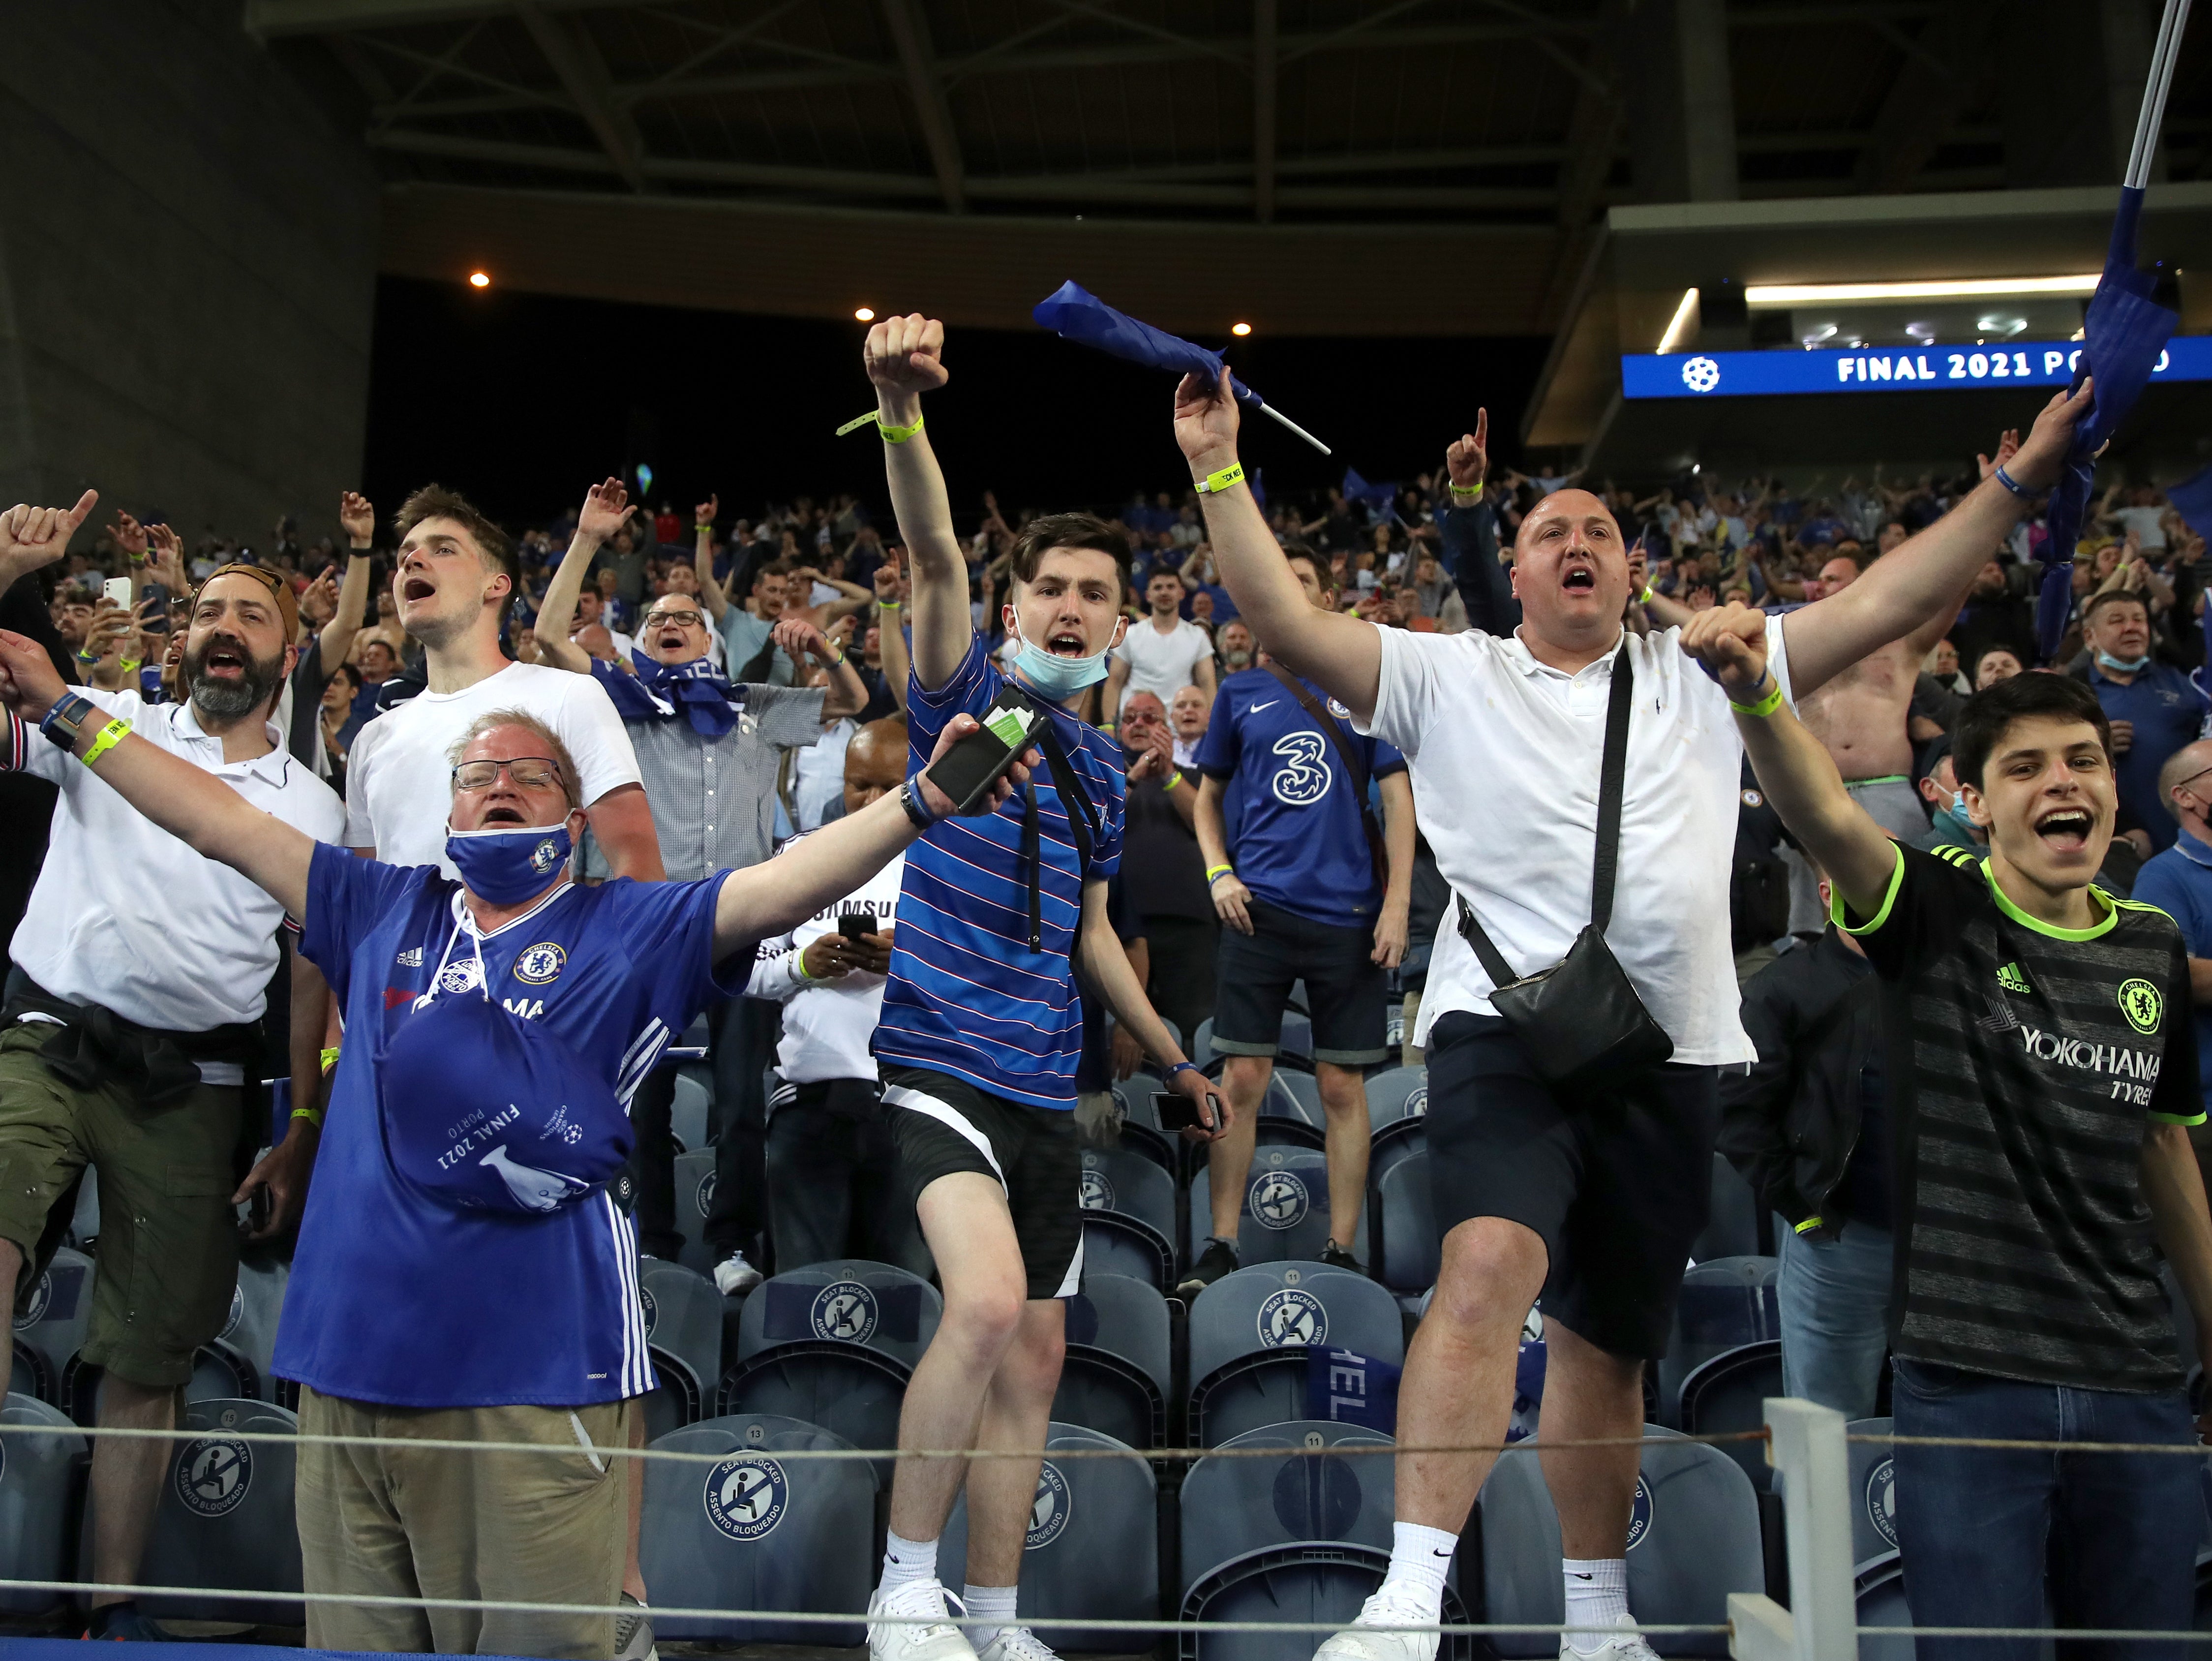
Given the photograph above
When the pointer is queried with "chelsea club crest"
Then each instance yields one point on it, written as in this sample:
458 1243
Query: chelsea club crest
540 962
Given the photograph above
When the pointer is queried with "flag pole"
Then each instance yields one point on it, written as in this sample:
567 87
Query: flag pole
1270 409
2155 92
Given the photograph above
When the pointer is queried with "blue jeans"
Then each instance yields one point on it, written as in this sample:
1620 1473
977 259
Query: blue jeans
1976 1525
1834 1296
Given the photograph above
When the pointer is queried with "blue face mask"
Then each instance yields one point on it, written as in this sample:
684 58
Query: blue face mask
2125 666
508 864
1057 678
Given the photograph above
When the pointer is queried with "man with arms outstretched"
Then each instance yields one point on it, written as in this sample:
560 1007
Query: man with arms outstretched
2041 1068
983 1024
1591 1203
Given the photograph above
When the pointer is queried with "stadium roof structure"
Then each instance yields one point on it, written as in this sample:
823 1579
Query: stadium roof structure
1314 167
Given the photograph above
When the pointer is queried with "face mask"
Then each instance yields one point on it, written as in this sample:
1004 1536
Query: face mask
508 864
2125 666
1058 677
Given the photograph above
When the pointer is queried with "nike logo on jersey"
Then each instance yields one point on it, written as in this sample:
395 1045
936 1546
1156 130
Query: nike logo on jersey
1257 707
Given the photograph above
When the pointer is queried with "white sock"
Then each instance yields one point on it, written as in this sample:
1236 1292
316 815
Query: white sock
989 1603
908 1562
1598 1596
1418 1560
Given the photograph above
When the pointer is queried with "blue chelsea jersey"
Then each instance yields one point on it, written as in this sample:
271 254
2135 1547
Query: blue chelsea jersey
1300 842
400 1299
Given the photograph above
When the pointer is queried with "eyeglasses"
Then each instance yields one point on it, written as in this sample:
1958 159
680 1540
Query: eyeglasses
526 773
672 619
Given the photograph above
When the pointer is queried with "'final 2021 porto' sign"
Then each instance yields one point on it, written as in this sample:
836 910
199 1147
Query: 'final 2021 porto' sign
1882 370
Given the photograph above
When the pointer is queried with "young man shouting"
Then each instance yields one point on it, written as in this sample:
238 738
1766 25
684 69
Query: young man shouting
2041 1065
982 1025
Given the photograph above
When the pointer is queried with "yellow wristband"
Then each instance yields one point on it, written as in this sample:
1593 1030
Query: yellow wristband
1215 872
890 606
330 1058
129 663
1214 483
110 735
898 435
1462 493
313 1116
1174 778
1765 707
1645 599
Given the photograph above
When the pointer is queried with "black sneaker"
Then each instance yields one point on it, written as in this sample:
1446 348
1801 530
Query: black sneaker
1219 1258
1337 1257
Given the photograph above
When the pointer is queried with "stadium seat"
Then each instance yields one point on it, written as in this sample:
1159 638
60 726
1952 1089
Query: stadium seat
1301 1088
1124 1180
1285 1212
691 1112
224 1520
1163 1149
256 1307
51 1321
1139 1095
1401 1139
1693 1538
1728 1393
1323 1583
1881 1600
694 1194
1250 1331
1407 1250
1732 1225
682 1315
1092 1552
84 1216
39 1476
1201 1051
1120 1368
755 1532
29 1375
223 1371
678 1396
1402 1092
832 1344
1725 1303
1873 1492
1244 1504
1296 1036
1116 1244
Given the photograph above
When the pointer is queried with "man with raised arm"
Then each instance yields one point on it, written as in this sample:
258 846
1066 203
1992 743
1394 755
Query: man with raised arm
982 1022
1591 1201
2041 1069
462 1272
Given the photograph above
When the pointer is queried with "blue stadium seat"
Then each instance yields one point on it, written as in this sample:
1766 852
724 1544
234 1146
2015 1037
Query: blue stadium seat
1880 1595
1163 1149
1201 1051
1732 1224
1323 1583
694 1194
225 1520
1873 1492
221 1373
755 1532
1250 1332
692 1110
677 1398
1093 1548
1729 1393
1286 1213
832 1344
683 1317
39 1478
256 1306
1244 1504
1296 1036
1120 1369
1302 1091
1124 1180
1399 1140
1408 1249
1399 1093
53 1319
1139 1095
1725 1303
1114 1244
1693 1538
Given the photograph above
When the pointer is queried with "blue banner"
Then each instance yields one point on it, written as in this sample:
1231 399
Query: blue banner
1883 369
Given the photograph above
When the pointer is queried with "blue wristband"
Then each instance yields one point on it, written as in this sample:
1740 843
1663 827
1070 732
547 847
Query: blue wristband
1183 1067
2015 485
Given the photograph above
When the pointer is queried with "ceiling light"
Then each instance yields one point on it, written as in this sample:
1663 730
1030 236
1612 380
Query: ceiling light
1240 328
1923 333
1679 327
1825 332
864 315
479 279
1997 323
1812 294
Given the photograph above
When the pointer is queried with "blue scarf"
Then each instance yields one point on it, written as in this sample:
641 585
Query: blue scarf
697 690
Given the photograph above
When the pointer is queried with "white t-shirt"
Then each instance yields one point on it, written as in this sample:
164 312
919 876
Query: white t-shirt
1505 755
399 783
828 1026
2144 522
1163 665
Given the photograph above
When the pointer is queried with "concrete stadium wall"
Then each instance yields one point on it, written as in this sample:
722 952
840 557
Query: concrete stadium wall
188 269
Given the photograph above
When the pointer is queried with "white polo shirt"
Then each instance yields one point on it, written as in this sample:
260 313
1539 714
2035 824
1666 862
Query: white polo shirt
399 789
1505 754
127 916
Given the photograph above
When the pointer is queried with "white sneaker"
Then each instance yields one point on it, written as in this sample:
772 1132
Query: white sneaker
1628 1647
734 1276
1018 1644
1363 1641
939 1641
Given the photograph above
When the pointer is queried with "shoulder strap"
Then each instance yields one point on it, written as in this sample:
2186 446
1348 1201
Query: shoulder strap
1072 798
1611 781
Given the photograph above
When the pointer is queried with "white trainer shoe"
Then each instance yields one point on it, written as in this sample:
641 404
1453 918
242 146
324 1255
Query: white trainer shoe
1628 1647
937 1641
734 1276
1365 1641
1018 1644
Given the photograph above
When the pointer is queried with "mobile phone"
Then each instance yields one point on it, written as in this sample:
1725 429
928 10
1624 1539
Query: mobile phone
856 927
966 772
116 591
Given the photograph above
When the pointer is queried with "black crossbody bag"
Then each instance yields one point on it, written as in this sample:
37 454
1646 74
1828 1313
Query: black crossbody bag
1586 1029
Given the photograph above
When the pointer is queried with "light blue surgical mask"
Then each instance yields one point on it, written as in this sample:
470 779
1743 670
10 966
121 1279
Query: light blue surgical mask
2125 666
1058 677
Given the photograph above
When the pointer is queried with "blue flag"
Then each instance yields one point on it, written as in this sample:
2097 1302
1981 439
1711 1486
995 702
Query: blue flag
1382 498
1348 1388
2123 334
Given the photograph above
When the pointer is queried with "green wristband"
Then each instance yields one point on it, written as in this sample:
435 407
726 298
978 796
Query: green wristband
1765 707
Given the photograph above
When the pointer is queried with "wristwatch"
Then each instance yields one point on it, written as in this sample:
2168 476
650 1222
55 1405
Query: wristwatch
64 723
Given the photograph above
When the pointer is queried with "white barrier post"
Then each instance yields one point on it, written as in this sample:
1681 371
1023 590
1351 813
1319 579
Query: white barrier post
1821 1623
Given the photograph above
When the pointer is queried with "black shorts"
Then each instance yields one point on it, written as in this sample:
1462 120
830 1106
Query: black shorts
1617 1186
1347 988
943 1124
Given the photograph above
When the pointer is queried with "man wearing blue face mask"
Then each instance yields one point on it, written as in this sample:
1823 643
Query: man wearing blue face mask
2153 707
462 1272
983 1024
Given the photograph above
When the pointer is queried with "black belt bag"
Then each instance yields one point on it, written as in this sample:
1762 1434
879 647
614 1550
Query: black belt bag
1586 1029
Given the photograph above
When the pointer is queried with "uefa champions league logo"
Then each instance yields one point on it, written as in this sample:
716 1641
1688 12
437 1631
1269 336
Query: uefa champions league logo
1291 1318
1049 1511
745 1495
1701 374
213 1474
